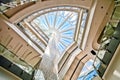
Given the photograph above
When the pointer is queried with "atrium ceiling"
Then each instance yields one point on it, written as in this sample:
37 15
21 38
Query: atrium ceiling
61 31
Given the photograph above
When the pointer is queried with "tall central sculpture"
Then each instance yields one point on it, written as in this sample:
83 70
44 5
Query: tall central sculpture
49 63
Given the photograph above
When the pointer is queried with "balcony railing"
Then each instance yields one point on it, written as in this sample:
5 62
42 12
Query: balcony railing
17 66
11 7
109 44
109 41
12 63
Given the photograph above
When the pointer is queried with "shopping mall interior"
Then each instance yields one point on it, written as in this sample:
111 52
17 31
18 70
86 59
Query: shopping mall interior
59 39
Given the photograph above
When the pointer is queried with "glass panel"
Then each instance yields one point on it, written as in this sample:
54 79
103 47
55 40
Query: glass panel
33 37
82 26
97 63
88 72
40 32
7 4
20 63
101 54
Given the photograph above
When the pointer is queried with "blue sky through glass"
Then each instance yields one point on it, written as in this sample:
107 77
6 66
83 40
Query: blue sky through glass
62 23
88 72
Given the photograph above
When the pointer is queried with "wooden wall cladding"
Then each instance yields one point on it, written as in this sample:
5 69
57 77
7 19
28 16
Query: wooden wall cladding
13 42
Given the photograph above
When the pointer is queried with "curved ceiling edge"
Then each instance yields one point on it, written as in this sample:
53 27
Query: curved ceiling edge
47 4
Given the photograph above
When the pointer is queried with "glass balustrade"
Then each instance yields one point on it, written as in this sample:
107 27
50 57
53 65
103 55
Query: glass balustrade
109 43
15 60
9 4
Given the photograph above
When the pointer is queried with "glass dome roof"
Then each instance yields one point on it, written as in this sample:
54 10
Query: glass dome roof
65 24
60 24
55 28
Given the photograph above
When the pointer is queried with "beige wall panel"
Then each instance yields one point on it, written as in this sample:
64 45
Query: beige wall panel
98 17
113 69
103 23
71 69
17 45
78 70
34 61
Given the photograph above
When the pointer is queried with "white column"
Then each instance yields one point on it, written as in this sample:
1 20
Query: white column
49 63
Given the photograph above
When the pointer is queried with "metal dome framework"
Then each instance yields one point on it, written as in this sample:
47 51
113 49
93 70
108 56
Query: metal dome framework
54 30
66 23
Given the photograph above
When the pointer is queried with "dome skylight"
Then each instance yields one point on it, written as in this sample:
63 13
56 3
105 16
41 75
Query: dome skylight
59 24
66 24
57 29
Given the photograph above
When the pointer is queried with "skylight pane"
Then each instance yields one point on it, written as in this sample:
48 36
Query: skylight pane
60 48
67 42
82 27
59 20
43 21
52 18
66 13
65 25
68 33
88 72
